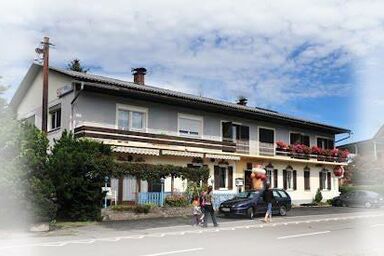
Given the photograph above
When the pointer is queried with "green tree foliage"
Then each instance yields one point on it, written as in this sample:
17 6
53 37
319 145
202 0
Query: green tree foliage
318 196
77 168
39 189
75 65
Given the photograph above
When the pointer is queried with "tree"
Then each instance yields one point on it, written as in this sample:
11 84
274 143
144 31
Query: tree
318 196
75 65
78 168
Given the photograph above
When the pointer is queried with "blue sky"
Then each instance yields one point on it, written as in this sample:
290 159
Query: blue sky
320 60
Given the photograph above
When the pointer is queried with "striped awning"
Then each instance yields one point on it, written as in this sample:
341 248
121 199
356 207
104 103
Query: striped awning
181 153
226 157
139 151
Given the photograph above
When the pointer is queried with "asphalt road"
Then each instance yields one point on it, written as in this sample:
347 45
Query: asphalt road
333 231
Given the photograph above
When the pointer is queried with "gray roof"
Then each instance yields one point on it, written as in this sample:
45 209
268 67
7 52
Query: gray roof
87 77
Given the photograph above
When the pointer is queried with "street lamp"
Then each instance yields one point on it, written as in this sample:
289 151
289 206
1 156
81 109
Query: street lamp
162 180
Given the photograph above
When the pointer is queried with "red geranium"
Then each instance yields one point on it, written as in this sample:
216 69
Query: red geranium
281 145
316 150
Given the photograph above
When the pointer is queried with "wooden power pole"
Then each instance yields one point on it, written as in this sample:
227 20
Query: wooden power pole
45 51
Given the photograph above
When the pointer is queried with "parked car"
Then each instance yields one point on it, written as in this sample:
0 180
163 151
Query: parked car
250 203
359 198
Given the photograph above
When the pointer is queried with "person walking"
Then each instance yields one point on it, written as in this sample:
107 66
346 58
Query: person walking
196 211
208 207
268 199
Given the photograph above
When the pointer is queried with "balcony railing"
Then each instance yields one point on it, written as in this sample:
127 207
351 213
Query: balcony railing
317 157
266 149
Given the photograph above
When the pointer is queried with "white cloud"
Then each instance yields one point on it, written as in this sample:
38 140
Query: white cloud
215 48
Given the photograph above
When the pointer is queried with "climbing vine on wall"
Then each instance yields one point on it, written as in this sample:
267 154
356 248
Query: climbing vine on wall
153 172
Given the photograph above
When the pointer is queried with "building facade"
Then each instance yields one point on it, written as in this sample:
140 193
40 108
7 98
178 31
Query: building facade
159 126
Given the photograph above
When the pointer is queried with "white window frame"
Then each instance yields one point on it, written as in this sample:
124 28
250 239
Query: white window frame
131 109
325 187
51 111
190 117
302 134
324 137
291 174
274 138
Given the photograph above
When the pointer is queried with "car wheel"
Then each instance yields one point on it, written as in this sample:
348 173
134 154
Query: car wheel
367 204
251 213
283 210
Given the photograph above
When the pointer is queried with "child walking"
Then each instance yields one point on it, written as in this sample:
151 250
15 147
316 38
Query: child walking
196 211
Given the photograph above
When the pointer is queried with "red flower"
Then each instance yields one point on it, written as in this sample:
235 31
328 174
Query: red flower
316 150
281 145
343 153
334 152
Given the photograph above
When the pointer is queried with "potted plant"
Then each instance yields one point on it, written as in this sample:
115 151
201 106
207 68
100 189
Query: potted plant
342 155
281 146
334 153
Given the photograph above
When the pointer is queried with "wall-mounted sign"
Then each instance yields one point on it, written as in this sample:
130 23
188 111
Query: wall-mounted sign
64 90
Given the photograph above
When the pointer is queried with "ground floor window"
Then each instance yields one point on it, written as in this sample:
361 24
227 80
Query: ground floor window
223 177
307 185
290 179
272 176
325 180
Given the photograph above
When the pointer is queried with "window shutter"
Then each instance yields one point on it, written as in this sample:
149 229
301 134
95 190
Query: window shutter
244 132
227 131
216 177
285 179
329 181
294 180
275 173
320 178
307 180
230 177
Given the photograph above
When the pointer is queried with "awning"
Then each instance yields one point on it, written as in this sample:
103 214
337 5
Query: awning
139 151
181 153
226 157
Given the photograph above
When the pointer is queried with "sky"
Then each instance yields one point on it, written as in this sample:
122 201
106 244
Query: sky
320 60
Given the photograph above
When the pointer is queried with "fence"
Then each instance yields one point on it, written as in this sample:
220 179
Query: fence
151 198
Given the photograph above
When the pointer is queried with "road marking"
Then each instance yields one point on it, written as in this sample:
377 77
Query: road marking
174 252
305 234
377 225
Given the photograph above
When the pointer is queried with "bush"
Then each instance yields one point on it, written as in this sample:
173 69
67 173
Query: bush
176 201
141 208
330 201
123 208
318 196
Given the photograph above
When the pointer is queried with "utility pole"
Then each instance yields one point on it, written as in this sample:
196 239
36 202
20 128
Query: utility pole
45 51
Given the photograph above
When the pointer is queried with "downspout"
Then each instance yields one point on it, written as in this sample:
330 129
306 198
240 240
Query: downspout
72 102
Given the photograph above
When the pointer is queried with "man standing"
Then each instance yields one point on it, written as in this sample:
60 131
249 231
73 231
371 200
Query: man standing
268 199
208 207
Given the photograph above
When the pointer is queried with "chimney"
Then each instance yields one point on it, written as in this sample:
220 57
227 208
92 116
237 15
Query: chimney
138 75
242 101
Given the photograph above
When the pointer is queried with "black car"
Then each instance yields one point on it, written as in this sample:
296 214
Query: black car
359 198
249 203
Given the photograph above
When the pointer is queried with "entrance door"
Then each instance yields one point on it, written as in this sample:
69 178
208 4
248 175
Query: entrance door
247 180
129 188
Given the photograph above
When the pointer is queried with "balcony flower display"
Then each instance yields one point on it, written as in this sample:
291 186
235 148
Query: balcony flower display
316 150
281 145
298 148
338 171
334 152
343 153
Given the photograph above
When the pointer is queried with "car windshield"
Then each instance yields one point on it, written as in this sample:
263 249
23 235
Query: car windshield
246 194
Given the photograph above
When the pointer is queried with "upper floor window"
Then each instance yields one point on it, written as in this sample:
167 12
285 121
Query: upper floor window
298 138
235 132
131 118
267 135
325 143
55 117
189 125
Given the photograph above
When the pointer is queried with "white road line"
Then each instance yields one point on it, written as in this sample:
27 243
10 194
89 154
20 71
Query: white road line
377 225
174 252
305 234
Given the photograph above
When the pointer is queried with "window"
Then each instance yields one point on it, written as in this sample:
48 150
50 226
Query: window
234 132
290 178
307 175
55 117
325 180
271 176
190 125
298 138
267 135
282 194
223 177
325 143
276 194
131 118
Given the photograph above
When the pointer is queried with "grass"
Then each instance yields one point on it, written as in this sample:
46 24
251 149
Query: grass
72 224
